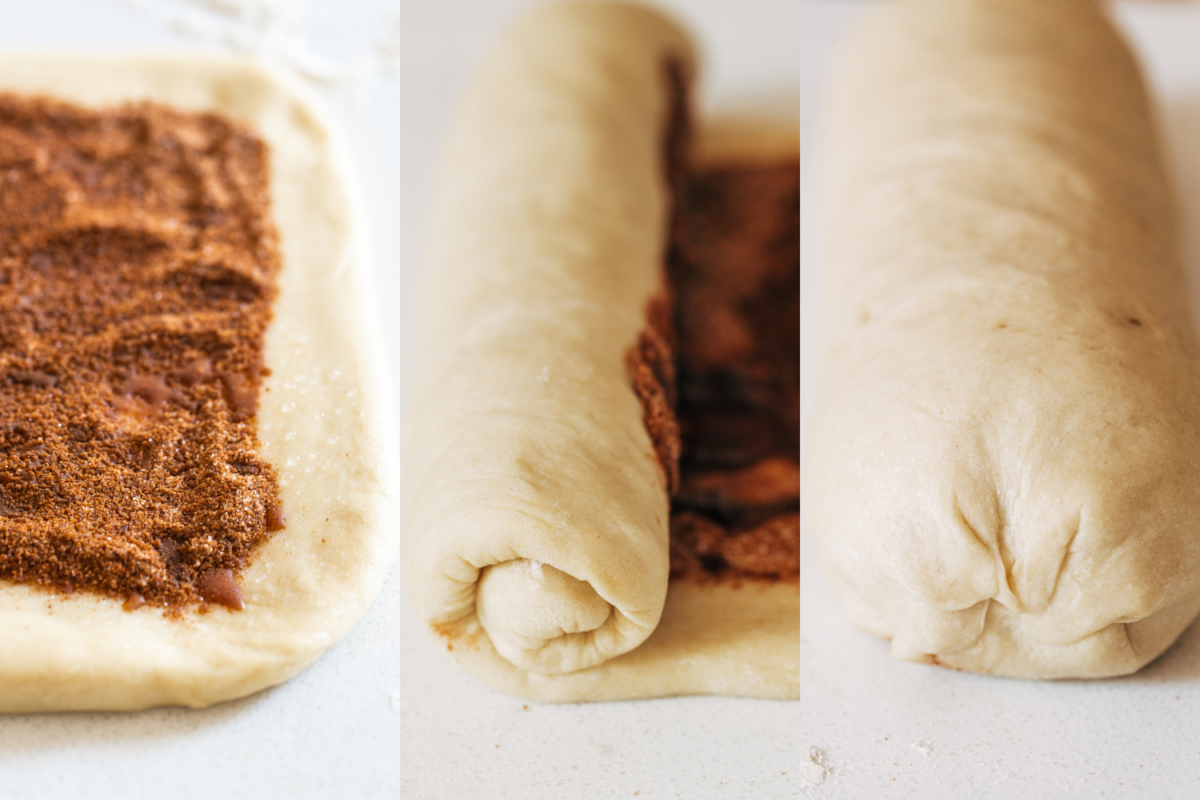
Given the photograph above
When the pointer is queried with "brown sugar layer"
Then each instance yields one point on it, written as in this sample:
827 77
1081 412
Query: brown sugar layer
735 277
653 374
137 271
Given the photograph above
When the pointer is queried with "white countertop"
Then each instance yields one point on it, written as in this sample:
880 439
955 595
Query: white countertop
333 731
882 728
461 738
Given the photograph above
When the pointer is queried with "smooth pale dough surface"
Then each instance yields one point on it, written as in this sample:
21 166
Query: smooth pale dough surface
321 423
536 514
1003 470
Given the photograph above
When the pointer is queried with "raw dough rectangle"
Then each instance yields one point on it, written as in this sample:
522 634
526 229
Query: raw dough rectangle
322 422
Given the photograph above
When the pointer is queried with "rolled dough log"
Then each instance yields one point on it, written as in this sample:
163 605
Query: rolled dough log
1003 471
533 494
535 510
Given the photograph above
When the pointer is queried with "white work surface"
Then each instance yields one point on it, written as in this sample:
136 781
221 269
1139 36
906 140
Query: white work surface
461 738
874 727
333 731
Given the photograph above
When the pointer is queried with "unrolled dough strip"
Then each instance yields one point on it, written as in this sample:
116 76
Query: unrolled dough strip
1003 471
536 511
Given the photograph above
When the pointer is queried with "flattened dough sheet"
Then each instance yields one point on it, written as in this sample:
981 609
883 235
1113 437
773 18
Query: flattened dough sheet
322 423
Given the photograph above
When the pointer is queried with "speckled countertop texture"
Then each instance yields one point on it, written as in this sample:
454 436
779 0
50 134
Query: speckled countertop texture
334 731
873 727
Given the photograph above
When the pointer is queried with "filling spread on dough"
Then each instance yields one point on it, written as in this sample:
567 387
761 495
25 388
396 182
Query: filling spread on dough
734 275
137 271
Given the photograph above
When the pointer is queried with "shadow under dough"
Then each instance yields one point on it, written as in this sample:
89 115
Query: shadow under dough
35 733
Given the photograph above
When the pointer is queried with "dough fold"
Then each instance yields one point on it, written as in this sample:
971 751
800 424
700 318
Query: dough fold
535 507
1001 472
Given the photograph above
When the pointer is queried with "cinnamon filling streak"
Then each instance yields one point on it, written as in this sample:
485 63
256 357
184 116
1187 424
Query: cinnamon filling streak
137 269
729 390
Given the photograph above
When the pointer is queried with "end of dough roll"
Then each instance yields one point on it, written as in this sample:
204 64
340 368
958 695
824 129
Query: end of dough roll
543 620
1002 472
536 511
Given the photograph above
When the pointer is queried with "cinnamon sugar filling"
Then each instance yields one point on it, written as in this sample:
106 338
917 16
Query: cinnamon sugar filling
137 270
735 356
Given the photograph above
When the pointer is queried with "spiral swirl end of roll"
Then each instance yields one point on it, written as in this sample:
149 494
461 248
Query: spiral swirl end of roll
542 619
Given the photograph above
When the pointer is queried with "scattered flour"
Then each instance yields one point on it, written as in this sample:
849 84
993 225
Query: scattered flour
923 747
286 33
814 768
